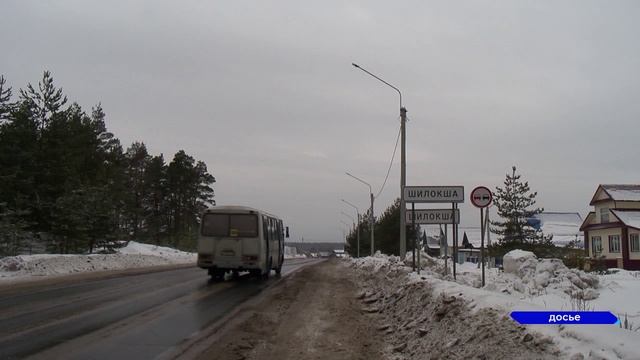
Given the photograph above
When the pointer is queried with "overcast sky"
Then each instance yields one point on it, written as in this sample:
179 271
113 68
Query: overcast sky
265 94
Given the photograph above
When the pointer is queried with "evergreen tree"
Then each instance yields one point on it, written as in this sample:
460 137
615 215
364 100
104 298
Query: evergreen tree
45 102
5 98
155 179
515 204
137 159
189 192
386 233
14 236
64 177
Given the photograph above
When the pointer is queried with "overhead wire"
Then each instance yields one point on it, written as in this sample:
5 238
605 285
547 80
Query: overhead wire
390 163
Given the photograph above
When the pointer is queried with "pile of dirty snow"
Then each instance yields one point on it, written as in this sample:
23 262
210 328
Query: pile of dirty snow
377 262
433 313
539 274
417 321
134 255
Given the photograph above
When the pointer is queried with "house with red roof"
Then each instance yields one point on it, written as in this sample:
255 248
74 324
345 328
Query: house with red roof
612 230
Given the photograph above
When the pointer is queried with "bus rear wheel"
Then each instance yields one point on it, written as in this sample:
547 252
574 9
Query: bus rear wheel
216 275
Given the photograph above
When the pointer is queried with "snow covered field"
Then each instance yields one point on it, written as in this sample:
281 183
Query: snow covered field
543 285
134 255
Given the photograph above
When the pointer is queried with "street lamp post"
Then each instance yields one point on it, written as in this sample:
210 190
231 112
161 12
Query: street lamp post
357 226
403 164
371 223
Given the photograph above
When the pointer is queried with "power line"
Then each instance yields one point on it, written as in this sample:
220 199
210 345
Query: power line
390 164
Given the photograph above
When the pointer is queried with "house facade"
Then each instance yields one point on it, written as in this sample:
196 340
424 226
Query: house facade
612 230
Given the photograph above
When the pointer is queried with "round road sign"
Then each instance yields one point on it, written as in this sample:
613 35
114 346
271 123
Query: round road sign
481 197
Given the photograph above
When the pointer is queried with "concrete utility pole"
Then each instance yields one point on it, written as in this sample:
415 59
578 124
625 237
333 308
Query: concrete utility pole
403 179
403 165
371 222
358 226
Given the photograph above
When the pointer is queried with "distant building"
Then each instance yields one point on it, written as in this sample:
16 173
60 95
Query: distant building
471 253
561 227
612 230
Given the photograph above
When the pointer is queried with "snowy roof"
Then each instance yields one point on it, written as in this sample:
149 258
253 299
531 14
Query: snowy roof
619 192
629 218
557 223
473 234
564 226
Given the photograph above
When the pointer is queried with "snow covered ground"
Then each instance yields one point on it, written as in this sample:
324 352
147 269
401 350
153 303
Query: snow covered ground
134 255
543 285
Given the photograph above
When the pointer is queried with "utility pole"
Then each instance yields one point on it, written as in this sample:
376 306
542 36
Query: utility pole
403 180
371 224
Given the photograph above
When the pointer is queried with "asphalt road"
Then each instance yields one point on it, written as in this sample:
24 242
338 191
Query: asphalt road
137 316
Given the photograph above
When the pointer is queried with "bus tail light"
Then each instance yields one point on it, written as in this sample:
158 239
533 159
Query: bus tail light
248 258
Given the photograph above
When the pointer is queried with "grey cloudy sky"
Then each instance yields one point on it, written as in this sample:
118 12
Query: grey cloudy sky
265 94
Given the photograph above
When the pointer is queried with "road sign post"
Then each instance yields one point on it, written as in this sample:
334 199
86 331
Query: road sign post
413 226
481 197
435 194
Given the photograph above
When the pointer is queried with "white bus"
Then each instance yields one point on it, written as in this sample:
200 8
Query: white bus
240 238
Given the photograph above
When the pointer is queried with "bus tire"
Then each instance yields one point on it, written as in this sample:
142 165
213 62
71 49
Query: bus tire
256 274
216 275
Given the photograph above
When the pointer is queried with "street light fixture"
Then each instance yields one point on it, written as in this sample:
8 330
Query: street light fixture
403 163
371 223
357 227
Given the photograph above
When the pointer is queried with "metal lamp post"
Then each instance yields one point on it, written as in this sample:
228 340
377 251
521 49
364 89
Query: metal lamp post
371 212
403 164
357 226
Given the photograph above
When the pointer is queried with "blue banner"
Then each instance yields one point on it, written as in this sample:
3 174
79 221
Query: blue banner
564 317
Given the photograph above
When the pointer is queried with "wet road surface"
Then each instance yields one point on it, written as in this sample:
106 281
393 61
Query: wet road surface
136 316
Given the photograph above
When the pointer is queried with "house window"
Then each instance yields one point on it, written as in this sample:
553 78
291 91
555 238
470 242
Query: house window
634 242
614 243
604 215
596 244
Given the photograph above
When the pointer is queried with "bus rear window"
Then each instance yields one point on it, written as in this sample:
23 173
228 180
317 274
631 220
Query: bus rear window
230 225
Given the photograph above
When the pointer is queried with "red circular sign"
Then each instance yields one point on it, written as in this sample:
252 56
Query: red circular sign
481 197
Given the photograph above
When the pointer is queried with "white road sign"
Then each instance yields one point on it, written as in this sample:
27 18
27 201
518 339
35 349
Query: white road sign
434 194
481 197
432 216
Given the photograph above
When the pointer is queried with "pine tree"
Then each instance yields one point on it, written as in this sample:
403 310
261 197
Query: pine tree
14 236
155 180
45 102
188 192
135 212
514 203
387 231
5 98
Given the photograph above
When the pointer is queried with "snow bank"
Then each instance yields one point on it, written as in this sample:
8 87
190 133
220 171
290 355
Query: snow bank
134 255
538 275
512 260
537 285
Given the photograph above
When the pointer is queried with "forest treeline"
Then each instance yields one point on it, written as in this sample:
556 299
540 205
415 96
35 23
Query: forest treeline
67 185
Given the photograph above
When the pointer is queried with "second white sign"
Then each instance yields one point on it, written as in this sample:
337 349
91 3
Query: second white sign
432 216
